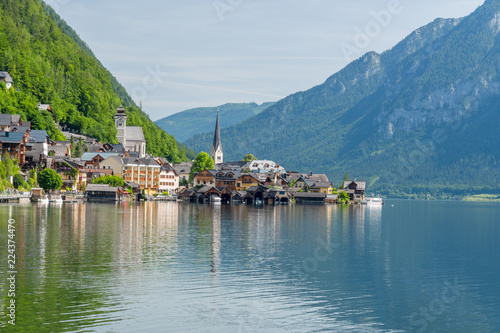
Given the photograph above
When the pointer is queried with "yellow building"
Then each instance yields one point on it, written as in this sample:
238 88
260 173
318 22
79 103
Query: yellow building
143 171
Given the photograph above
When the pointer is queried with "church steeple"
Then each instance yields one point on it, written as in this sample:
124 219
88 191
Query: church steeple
121 125
217 154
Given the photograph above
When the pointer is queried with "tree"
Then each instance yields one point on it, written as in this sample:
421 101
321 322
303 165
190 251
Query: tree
249 158
344 198
3 171
72 173
183 182
292 183
9 165
346 178
50 180
202 162
114 181
18 181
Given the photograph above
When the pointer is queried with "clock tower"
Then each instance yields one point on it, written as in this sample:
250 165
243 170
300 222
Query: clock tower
121 125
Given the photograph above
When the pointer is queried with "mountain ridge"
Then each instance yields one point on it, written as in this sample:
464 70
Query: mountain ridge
378 111
183 125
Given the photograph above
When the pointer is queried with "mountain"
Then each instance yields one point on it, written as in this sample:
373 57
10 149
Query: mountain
185 124
420 117
50 64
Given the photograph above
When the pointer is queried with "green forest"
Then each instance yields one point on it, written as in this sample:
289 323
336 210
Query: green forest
49 64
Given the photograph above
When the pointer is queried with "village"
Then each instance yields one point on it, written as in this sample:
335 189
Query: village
81 162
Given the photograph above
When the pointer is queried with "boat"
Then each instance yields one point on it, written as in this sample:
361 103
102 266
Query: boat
56 200
373 202
216 200
43 200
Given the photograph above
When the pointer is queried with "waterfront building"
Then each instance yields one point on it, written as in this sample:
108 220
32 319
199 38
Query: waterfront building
169 180
355 190
145 172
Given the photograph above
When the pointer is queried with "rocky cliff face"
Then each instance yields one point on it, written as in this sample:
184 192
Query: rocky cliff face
375 114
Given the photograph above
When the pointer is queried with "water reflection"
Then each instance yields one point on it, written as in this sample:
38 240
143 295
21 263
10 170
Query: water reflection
202 268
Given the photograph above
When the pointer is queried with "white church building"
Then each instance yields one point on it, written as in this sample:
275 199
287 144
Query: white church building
131 137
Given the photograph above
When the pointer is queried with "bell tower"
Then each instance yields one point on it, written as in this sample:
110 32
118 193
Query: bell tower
217 154
121 125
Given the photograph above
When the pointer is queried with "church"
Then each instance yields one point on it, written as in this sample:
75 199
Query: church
131 137
217 154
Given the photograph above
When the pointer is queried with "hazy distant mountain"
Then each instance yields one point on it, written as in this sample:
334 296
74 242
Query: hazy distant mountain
424 114
185 124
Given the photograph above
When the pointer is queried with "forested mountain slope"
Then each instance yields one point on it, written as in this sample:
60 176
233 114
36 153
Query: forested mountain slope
50 64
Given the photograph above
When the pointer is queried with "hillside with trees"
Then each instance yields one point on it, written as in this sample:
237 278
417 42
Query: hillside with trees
49 64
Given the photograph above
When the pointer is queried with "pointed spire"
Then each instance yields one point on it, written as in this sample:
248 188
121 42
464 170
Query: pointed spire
217 142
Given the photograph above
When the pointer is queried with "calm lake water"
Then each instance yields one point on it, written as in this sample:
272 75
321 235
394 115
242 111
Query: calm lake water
167 267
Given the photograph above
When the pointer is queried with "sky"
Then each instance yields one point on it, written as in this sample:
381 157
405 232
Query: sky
175 55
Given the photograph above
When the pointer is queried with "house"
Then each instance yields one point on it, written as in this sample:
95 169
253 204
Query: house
5 77
15 144
355 190
247 180
102 192
94 160
7 121
227 178
320 187
169 180
206 177
183 170
60 149
277 197
206 193
301 183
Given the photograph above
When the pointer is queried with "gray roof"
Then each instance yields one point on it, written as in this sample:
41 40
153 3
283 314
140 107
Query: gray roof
36 152
59 150
6 120
225 173
361 185
134 133
140 161
205 189
184 167
316 184
319 177
5 76
87 157
20 129
309 195
43 107
11 137
101 188
38 136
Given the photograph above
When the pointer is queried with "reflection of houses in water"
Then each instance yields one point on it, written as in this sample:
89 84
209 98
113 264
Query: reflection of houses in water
142 227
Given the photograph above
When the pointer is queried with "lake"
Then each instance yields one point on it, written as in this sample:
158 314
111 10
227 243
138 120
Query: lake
410 266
